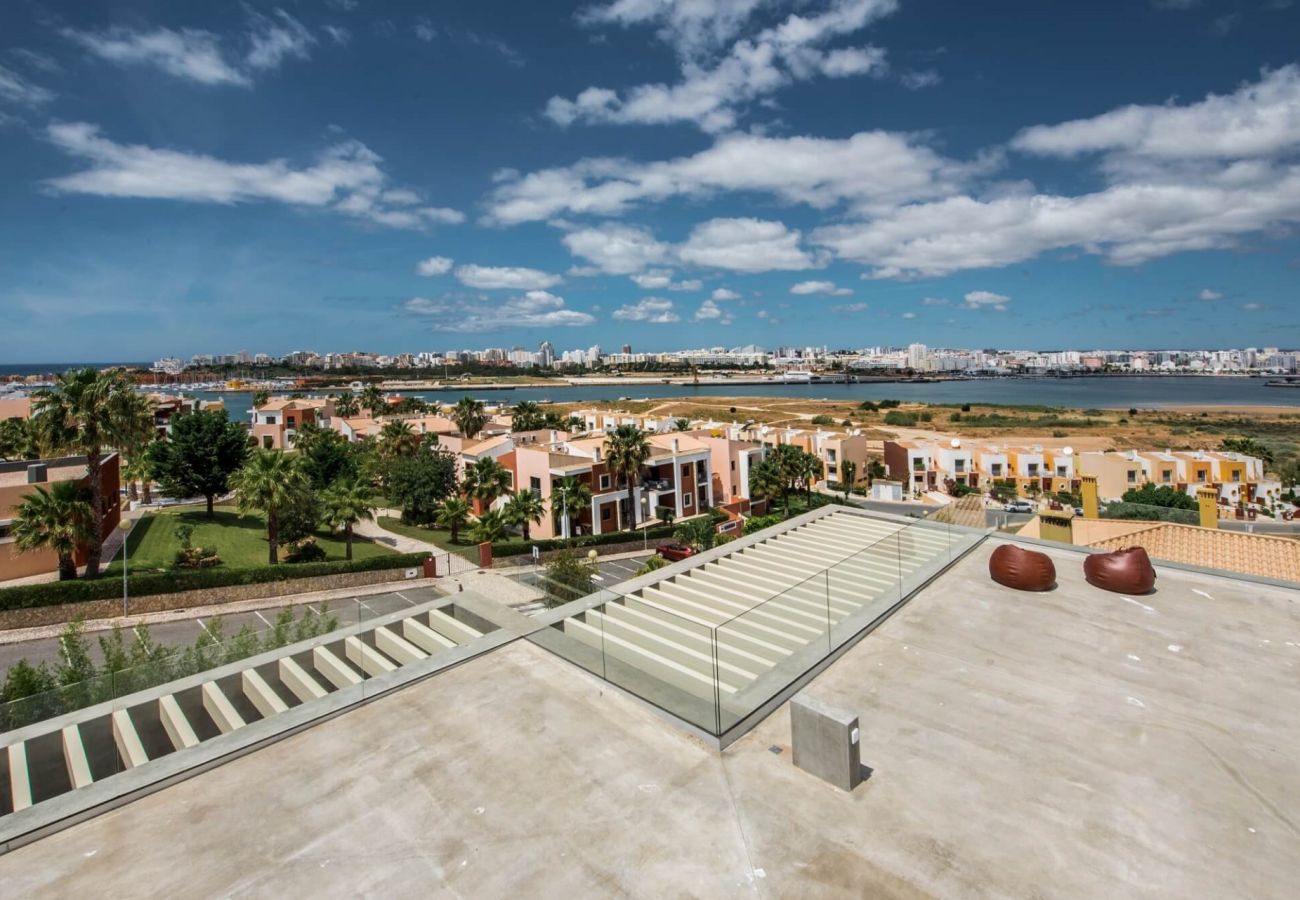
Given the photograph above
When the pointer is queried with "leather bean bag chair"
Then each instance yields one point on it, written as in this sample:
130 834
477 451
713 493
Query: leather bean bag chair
1127 571
1024 570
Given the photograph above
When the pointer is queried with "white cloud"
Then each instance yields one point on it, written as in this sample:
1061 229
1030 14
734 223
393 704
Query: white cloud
14 88
820 287
916 81
909 315
198 55
745 245
711 312
617 249
934 301
850 308
340 36
724 294
871 170
712 92
424 29
516 278
434 265
1252 307
986 299
535 309
662 279
1260 119
1127 223
654 310
346 178
1208 294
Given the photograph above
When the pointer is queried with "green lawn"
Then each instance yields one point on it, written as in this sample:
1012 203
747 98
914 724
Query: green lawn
240 540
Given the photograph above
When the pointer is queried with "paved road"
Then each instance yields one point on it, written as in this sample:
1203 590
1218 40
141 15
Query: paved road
185 631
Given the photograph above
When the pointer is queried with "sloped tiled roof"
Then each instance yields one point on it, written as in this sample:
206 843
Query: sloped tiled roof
1234 551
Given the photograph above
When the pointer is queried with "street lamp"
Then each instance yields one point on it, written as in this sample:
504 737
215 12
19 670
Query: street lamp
125 525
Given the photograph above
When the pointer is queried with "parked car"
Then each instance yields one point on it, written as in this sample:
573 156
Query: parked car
674 551
1019 506
1078 510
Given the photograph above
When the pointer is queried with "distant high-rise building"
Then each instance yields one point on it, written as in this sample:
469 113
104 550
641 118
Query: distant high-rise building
546 355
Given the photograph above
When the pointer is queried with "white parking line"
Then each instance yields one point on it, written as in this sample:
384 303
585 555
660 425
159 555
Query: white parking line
208 633
404 597
262 617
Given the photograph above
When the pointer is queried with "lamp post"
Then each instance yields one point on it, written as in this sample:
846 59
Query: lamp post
125 525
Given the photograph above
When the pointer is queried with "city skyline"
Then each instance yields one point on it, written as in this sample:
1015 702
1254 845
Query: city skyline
848 172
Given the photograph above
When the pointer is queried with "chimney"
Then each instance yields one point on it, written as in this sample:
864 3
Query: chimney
597 457
675 445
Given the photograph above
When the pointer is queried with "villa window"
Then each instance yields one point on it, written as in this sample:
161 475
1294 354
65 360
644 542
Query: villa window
267 443
959 465
604 482
604 513
1236 476
686 499
686 470
733 465
1166 476
830 455
269 420
535 485
1200 476
1033 469
997 470
1132 476
1062 471
290 422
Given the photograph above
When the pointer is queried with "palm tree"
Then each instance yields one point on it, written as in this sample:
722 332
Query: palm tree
810 472
59 518
524 508
875 469
789 463
85 412
347 405
398 439
372 400
681 424
138 471
261 398
569 497
18 440
489 528
469 416
848 475
343 505
527 416
269 482
486 480
627 451
452 515
765 480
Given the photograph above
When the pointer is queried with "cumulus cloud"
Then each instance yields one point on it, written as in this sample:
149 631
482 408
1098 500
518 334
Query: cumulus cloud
724 294
848 308
1208 294
517 278
346 178
434 265
986 300
653 310
871 170
934 301
201 56
912 315
712 91
745 245
534 309
617 249
820 287
661 279
711 312
1260 119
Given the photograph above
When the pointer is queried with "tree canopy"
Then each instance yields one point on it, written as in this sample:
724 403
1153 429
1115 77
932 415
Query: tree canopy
205 448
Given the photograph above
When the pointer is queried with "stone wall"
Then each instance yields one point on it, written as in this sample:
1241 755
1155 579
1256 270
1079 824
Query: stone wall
107 609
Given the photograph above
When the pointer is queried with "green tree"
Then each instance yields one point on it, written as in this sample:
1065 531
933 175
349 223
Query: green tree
765 480
848 476
791 466
261 398
469 416
569 576
204 450
810 472
270 482
627 450
419 484
1160 495
650 565
524 509
698 533
397 439
372 400
527 416
681 424
138 470
347 405
488 528
58 518
486 480
452 515
1249 446
19 440
75 665
86 412
569 497
343 505
875 469
326 456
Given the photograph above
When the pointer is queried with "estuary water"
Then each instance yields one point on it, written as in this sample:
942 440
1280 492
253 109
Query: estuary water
1110 392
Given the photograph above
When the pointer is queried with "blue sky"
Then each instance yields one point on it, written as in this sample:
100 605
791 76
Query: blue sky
183 177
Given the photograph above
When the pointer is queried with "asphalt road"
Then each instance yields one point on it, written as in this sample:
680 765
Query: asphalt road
183 632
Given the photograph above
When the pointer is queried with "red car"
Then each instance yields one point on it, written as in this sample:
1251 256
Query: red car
675 552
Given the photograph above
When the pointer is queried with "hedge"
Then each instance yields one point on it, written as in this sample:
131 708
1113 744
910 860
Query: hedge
518 548
54 593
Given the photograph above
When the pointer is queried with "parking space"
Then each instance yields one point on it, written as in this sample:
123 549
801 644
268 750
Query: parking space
182 632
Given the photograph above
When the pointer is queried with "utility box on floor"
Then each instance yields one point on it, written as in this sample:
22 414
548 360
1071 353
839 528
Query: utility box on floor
826 742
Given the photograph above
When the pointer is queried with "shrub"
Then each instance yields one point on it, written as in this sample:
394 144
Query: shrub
305 551
927 417
758 523
569 577
965 407
54 593
1092 413
868 406
651 564
518 548
823 420
890 404
895 417
1150 513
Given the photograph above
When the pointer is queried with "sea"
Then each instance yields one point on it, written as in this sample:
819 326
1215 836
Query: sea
1100 392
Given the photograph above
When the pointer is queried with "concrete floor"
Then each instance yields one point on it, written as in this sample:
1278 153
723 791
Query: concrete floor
1074 743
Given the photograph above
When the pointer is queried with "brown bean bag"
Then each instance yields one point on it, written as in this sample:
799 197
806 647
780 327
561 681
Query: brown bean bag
1127 571
1024 570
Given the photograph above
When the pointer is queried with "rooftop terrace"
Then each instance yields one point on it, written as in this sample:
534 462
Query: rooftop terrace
1073 743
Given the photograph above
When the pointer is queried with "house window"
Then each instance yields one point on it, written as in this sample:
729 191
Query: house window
266 441
535 485
269 420
1166 476
1062 471
604 482
686 499
290 421
959 465
604 513
733 465
1200 475
830 455
686 470
830 470
1236 476
1132 476
1033 469
997 470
